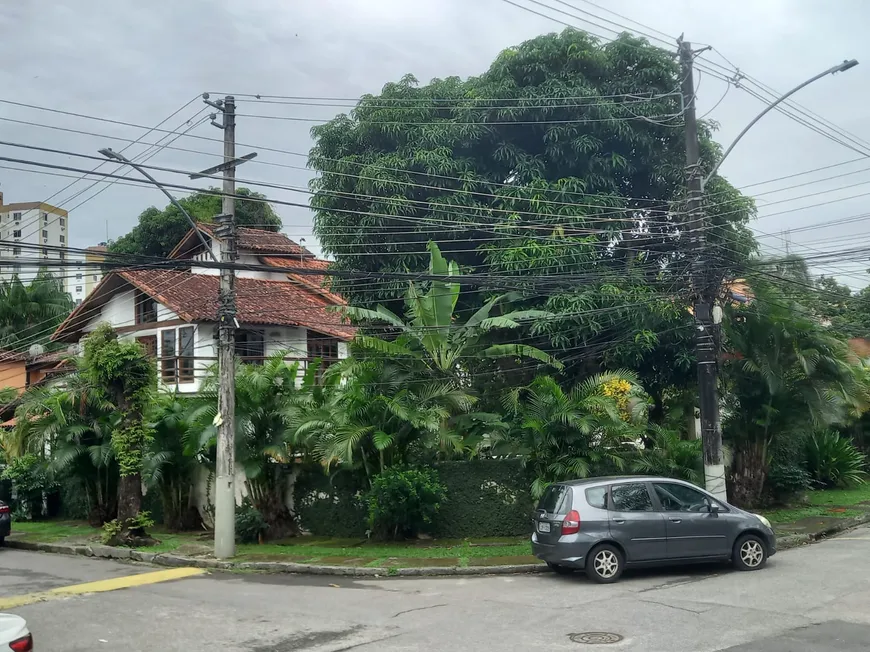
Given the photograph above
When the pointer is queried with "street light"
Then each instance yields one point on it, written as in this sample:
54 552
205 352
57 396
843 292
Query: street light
108 152
842 67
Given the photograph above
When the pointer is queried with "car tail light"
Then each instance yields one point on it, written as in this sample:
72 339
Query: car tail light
4 509
22 644
571 524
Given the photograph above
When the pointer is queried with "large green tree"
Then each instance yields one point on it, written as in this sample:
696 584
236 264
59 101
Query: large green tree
564 159
158 231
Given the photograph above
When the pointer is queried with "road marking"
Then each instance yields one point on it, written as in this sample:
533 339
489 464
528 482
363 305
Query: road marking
100 586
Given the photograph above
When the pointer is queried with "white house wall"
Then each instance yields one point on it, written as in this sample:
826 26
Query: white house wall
244 259
120 312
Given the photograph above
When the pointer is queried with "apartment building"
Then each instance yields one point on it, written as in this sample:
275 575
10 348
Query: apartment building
31 230
84 276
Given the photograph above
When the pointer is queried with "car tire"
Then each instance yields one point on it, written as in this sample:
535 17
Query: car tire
559 569
604 564
749 553
2 541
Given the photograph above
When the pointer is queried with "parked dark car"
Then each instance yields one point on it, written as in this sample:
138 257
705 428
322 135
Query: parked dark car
604 525
5 521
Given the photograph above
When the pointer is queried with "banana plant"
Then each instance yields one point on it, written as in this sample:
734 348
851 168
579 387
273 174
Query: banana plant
432 335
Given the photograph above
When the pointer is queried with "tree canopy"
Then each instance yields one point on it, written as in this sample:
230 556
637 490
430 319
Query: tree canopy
158 231
566 157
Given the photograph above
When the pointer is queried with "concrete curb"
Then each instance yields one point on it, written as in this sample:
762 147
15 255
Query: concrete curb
795 540
175 561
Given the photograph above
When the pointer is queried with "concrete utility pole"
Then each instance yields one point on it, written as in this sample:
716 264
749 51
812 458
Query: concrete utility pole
703 289
225 489
705 285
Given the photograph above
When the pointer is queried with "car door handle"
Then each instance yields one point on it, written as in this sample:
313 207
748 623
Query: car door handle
619 521
676 520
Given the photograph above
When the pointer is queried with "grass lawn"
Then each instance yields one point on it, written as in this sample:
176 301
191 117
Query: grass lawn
451 552
836 503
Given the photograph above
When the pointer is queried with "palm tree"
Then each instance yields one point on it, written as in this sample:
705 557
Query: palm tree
788 375
167 467
75 424
268 414
30 313
432 340
369 414
571 434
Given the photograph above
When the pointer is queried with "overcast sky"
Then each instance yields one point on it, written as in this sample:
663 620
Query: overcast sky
138 62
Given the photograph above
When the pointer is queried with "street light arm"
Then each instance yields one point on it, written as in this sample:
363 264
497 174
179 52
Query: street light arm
842 67
110 153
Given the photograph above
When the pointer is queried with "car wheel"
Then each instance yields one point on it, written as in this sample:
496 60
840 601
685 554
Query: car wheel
750 553
559 569
605 564
2 541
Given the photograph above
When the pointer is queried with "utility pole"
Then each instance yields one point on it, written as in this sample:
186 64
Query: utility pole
704 289
225 489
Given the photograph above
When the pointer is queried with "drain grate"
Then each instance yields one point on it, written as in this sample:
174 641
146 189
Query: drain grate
595 638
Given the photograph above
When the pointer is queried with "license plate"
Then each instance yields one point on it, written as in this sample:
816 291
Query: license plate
543 527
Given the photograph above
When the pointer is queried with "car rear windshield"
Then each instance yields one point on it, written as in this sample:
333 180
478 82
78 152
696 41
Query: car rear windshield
555 500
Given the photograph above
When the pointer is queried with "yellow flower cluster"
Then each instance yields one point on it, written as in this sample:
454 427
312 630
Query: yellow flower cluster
619 391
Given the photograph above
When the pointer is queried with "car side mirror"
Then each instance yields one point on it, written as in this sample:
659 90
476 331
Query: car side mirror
712 507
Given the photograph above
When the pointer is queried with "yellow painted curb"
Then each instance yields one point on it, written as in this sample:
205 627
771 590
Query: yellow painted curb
101 586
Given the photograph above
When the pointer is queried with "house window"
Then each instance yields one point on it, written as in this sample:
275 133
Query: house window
78 288
16 251
149 345
16 216
250 346
168 359
146 309
63 238
323 348
62 221
44 252
45 217
44 233
185 355
78 302
78 277
95 277
16 233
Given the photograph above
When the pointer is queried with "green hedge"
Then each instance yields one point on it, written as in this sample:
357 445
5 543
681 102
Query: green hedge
330 506
485 498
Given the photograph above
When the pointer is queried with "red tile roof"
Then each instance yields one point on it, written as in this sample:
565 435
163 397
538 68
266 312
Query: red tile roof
194 297
262 241
318 282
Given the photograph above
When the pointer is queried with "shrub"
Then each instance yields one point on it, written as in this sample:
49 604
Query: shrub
786 481
29 477
250 524
670 456
833 461
403 502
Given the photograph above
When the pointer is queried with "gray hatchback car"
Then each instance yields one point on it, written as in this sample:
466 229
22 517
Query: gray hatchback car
603 525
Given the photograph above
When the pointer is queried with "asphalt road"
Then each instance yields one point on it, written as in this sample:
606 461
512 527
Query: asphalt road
815 598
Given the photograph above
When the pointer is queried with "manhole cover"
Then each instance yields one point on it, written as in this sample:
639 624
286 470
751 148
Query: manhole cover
595 638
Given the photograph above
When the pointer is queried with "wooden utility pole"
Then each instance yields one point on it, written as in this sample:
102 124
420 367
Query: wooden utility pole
704 289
